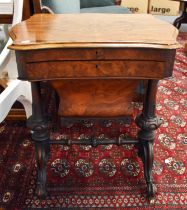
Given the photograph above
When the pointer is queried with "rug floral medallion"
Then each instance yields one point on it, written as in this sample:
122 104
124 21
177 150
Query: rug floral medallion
106 177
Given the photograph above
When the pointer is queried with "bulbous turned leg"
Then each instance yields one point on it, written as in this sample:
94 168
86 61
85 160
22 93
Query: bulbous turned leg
148 123
40 135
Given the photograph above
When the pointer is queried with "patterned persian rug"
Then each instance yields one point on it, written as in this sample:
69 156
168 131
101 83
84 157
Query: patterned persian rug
107 177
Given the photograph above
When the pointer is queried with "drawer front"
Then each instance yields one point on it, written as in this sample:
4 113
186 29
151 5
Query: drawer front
96 54
50 70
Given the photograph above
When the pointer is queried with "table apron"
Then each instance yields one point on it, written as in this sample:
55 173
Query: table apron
50 70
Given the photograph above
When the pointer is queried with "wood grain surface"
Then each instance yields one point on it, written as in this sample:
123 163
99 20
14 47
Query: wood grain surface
93 30
95 98
92 63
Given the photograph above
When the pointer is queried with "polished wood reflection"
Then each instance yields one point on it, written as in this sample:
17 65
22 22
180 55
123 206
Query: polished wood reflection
84 30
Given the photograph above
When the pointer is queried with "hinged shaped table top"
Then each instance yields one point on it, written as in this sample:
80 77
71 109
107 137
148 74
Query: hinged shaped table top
43 31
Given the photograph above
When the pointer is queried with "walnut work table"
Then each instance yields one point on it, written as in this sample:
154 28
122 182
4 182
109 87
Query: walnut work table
94 62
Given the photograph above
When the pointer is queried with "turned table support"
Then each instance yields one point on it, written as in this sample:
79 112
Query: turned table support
148 123
40 135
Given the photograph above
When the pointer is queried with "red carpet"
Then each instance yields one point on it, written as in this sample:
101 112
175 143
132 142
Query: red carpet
107 177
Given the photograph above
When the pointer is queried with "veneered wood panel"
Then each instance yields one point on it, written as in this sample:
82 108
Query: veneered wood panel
95 54
95 98
93 69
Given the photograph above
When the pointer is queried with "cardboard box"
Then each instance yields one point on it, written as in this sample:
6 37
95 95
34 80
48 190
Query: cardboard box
164 7
136 6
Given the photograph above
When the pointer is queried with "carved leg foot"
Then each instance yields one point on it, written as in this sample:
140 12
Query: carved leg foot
41 158
148 123
147 158
151 189
146 137
40 135
145 153
41 192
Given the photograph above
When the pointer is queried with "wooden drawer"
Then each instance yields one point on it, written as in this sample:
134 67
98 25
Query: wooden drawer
95 54
95 63
94 69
